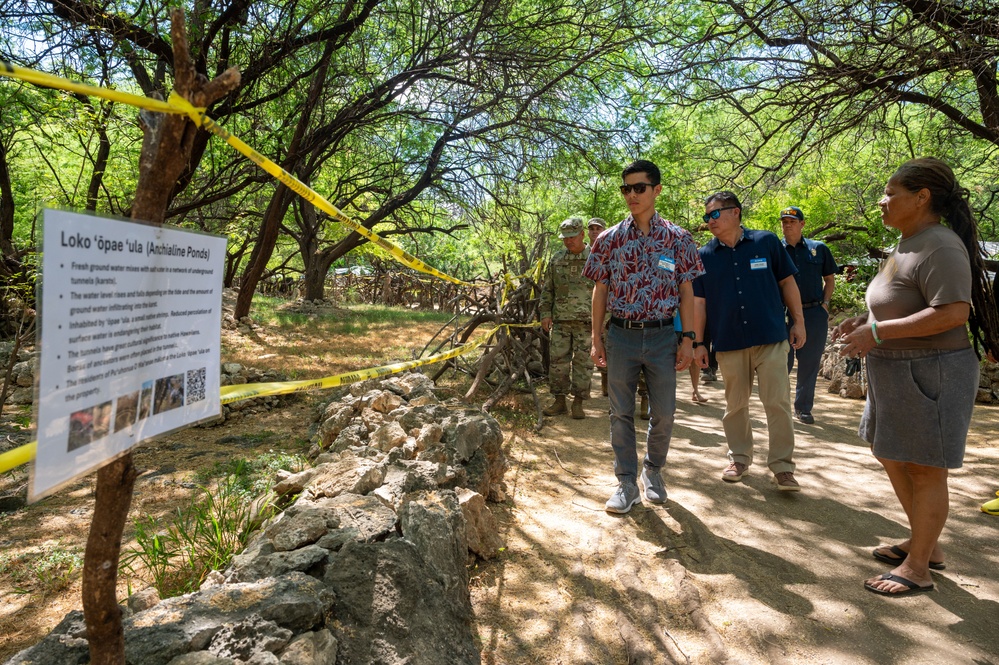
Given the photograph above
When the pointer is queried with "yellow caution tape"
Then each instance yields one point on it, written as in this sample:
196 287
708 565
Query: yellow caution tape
306 192
250 390
508 287
59 83
534 273
178 104
15 458
24 454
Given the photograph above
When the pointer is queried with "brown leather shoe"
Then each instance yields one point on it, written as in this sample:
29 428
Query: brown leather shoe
785 482
734 472
557 407
577 408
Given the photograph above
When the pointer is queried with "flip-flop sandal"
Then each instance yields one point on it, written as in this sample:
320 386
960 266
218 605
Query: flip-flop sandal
991 507
900 555
911 587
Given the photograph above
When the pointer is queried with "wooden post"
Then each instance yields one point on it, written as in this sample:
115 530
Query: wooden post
166 152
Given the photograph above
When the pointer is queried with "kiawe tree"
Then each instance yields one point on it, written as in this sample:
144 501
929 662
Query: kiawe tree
819 68
376 104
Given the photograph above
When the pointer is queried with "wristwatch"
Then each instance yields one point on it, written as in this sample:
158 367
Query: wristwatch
689 333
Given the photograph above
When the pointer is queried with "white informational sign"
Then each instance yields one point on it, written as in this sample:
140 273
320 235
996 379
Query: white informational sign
128 338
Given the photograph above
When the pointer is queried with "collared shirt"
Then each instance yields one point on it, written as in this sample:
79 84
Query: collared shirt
643 273
743 298
814 261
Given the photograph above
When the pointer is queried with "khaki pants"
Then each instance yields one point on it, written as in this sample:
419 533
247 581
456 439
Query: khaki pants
769 363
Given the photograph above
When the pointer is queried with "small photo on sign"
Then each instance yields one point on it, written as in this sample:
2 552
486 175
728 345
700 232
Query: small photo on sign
169 393
126 408
87 425
146 403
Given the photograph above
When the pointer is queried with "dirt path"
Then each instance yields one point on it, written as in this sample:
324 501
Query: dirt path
731 573
720 573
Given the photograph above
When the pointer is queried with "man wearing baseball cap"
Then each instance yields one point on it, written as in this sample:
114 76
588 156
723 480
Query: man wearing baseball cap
565 315
816 280
595 227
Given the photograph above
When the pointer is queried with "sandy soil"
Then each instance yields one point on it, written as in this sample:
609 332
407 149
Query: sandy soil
30 607
736 573
720 573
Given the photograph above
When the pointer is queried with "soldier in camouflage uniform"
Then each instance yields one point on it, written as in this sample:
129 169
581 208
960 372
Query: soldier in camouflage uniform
565 314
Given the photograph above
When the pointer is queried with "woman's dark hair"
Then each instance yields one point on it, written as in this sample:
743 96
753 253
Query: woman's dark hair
949 200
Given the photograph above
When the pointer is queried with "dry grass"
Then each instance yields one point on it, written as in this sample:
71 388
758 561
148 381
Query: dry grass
336 341
39 576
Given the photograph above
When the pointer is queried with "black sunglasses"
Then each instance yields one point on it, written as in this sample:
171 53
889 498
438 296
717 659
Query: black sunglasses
639 188
715 214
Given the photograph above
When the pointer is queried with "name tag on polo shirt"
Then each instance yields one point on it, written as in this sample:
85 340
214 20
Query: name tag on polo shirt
667 263
757 264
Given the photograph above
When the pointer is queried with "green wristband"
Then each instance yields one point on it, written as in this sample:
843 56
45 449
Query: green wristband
874 330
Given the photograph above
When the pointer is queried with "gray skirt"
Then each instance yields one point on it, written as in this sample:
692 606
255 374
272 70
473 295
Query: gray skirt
919 405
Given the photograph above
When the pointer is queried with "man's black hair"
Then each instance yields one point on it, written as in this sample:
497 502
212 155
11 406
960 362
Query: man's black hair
726 198
643 166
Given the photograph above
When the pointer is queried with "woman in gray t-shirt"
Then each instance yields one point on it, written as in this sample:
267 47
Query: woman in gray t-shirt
922 369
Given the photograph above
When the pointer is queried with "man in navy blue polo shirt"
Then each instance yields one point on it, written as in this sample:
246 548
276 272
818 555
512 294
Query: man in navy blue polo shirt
816 280
748 282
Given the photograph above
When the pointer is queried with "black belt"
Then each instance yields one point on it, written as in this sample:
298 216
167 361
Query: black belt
641 325
809 305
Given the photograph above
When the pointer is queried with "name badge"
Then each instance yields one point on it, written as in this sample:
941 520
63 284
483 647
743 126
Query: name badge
667 263
757 264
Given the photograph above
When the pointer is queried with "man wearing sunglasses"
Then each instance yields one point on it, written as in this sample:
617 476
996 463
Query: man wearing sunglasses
743 295
816 280
642 269
595 227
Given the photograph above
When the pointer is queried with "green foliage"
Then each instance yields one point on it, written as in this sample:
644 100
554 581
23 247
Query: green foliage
47 569
206 533
848 297
252 475
509 117
355 319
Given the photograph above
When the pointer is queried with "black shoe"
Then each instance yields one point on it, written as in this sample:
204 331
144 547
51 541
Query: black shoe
804 417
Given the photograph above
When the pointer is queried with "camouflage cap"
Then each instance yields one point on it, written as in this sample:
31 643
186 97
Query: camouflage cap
596 221
570 228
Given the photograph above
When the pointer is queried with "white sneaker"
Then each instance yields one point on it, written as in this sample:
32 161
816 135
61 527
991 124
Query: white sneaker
623 498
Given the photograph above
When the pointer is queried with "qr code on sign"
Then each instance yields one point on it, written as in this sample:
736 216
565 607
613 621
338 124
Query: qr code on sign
195 385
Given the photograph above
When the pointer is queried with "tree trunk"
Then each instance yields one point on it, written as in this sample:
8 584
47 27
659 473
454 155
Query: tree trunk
100 563
166 152
6 206
262 249
315 282
282 198
102 113
316 264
